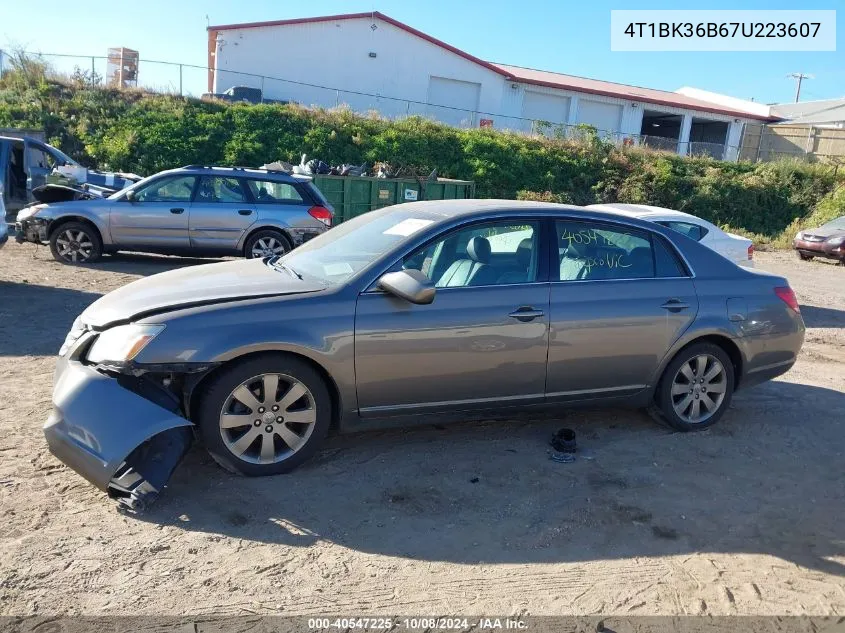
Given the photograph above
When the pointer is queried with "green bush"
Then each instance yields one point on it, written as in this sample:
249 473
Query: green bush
142 133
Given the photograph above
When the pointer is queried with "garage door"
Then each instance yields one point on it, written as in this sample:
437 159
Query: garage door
606 117
452 101
538 106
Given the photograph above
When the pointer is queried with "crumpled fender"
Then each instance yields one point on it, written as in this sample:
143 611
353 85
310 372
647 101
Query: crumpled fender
106 432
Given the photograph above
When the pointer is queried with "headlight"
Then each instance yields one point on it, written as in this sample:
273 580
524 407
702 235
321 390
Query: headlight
76 330
28 212
799 235
122 343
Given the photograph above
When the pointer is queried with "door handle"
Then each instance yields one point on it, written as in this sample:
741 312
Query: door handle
525 314
675 305
244 211
177 211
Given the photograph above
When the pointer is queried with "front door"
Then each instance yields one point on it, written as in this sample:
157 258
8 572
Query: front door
622 299
482 343
220 213
39 164
157 218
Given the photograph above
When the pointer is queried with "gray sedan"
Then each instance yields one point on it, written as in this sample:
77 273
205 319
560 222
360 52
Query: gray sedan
413 313
194 210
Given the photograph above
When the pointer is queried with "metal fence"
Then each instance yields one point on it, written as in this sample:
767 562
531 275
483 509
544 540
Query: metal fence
191 80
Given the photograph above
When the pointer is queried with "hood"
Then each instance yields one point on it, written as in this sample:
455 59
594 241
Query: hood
194 285
824 232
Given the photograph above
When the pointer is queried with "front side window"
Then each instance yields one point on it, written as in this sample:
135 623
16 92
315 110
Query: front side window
167 189
592 251
270 192
693 231
489 254
40 159
220 189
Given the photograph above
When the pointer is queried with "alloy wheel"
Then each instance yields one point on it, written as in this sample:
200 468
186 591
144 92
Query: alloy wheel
267 247
698 388
268 418
74 246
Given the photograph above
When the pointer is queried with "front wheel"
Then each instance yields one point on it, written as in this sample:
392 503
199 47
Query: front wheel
696 388
75 243
804 258
266 243
265 415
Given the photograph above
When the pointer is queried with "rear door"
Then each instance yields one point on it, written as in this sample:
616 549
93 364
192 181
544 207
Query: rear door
221 213
158 217
621 298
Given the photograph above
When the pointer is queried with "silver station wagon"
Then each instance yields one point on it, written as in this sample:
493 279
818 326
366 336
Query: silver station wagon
198 211
412 313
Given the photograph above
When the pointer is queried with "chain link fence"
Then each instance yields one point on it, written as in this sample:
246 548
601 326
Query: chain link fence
162 77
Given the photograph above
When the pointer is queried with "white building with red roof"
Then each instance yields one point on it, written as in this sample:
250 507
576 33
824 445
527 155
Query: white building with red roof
372 62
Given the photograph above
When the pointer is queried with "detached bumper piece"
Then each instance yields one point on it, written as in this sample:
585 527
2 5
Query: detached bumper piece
121 442
141 478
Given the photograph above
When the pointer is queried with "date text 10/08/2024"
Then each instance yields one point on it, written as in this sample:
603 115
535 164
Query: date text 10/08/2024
417 624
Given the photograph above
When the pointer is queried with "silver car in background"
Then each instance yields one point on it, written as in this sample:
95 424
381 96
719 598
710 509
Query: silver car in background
412 313
194 210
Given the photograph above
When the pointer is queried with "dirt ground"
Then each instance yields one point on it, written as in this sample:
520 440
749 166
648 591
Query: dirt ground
745 518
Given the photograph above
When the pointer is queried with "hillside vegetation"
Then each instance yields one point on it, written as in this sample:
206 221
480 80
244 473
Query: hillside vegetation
143 133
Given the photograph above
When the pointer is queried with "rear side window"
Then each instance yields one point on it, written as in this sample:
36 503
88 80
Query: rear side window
694 231
666 261
220 189
271 192
594 251
590 251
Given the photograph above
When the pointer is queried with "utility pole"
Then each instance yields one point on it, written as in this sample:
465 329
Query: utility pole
798 77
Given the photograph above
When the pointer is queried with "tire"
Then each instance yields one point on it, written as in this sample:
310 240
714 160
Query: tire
227 420
76 243
674 409
265 243
803 257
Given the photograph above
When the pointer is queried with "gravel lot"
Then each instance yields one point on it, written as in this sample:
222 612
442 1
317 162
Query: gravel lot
746 518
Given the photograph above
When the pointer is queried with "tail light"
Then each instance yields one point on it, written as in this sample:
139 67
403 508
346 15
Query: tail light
750 252
788 297
322 214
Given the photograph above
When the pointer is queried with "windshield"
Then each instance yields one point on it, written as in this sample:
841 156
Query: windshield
838 223
338 254
63 158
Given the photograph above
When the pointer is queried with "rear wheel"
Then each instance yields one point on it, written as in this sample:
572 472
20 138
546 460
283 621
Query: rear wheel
696 388
75 243
265 415
266 243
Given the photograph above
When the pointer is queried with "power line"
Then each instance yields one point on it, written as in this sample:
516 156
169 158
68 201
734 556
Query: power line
798 77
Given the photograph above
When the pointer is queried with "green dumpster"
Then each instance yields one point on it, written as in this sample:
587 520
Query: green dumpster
353 195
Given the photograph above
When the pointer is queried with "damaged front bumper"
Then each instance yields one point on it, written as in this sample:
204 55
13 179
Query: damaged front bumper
33 229
118 440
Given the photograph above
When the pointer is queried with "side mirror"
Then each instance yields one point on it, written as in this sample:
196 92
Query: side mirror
410 285
131 196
